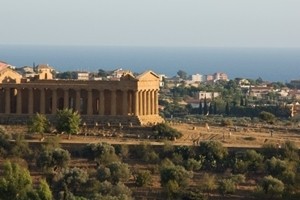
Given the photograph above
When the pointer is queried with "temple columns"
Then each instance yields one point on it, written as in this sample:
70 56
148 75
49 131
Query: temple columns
66 98
136 102
156 102
90 102
125 103
7 100
77 101
19 101
113 102
101 93
30 101
54 101
42 102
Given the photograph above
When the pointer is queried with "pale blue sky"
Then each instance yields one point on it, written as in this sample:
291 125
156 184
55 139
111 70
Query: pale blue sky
204 23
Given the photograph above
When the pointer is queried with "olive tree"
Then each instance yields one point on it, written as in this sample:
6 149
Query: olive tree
67 121
213 154
50 159
16 183
38 124
271 187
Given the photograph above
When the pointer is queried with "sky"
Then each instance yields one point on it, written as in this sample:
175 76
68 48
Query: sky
200 23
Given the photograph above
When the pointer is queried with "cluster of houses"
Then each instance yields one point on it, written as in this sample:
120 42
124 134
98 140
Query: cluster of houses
45 71
193 80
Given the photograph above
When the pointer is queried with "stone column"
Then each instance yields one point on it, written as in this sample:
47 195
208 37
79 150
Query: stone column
152 102
77 101
42 101
66 98
90 102
125 103
113 103
19 101
144 102
54 101
130 103
30 101
140 103
156 102
136 103
148 92
7 100
101 97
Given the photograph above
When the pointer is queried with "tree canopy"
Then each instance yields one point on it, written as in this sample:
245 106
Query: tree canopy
68 121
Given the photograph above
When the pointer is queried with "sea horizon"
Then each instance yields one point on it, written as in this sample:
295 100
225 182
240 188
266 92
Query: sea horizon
271 64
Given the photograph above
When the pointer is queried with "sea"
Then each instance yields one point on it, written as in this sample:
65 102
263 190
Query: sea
270 64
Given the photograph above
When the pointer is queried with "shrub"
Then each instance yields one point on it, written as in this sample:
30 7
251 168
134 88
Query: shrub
55 158
143 178
144 152
267 117
208 183
213 153
102 153
271 187
114 172
193 165
164 131
5 145
176 174
227 122
275 166
226 186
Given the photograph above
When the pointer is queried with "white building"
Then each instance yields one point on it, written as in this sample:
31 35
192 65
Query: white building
82 75
207 95
197 78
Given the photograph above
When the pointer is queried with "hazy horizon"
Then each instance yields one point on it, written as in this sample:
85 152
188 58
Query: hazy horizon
273 64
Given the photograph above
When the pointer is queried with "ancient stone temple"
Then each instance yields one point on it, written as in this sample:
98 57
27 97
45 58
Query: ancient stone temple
129 100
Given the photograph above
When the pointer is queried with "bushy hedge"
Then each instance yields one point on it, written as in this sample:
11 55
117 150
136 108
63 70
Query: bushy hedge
164 131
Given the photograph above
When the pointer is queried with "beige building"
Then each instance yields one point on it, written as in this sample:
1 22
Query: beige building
130 100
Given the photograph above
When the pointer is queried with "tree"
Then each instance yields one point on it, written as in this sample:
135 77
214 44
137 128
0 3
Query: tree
174 173
213 154
53 158
102 153
200 108
227 109
254 160
210 109
272 187
182 74
226 186
71 179
67 121
16 183
119 172
5 145
143 178
102 73
20 147
205 107
267 116
208 183
44 191
38 124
